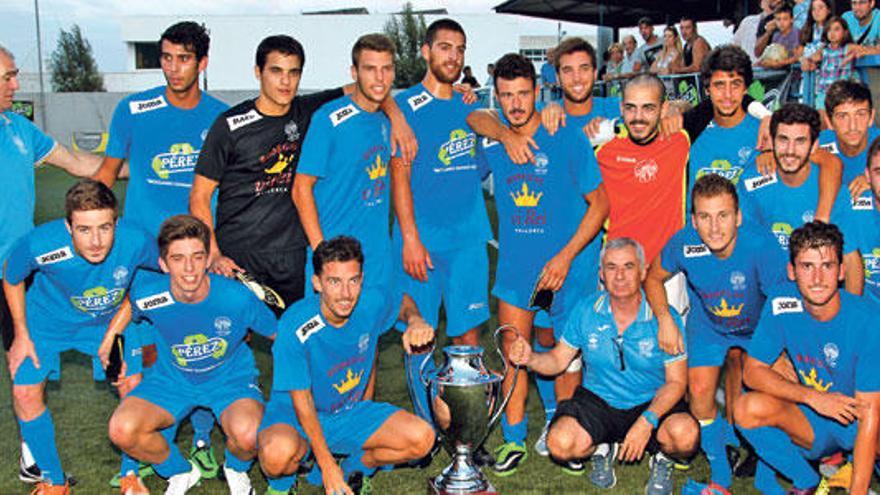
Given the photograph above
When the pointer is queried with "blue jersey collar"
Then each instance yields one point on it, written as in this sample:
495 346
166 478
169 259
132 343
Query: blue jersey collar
603 307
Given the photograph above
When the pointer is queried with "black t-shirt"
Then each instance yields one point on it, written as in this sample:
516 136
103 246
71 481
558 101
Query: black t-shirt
254 157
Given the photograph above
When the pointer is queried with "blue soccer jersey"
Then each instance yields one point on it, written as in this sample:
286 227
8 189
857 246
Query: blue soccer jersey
859 220
348 150
627 369
726 151
69 291
446 192
334 363
730 292
605 107
162 144
832 356
540 205
22 146
853 166
205 340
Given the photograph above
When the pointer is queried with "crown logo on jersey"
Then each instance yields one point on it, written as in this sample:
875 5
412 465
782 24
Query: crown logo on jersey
280 165
812 380
725 311
378 169
525 198
351 381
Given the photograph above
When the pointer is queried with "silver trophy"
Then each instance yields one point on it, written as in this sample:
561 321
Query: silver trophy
465 406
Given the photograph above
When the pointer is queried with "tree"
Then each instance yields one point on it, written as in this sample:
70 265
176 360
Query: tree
73 66
408 33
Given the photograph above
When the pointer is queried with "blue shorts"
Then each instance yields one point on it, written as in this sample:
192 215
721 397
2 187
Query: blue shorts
829 436
49 347
460 280
706 347
344 431
179 397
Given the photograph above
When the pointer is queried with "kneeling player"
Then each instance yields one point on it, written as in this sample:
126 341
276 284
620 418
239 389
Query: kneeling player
200 323
323 360
631 392
830 337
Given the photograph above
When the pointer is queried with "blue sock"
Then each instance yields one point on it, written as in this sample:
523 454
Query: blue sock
730 437
175 463
712 442
765 480
236 464
417 392
202 422
128 465
282 484
778 451
515 433
546 388
354 463
39 434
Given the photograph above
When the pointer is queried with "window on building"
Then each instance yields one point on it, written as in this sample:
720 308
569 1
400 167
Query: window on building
534 54
146 55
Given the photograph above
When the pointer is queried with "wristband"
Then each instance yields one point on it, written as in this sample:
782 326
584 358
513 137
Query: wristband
652 418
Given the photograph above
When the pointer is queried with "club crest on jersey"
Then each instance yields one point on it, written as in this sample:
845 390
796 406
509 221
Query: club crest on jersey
646 171
782 305
309 328
291 131
419 100
832 352
98 300
695 250
223 325
863 203
646 348
541 162
343 114
460 143
141 106
198 347
120 275
363 343
738 280
593 342
180 158
55 256
154 301
238 121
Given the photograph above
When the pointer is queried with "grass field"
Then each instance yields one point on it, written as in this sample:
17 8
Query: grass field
81 408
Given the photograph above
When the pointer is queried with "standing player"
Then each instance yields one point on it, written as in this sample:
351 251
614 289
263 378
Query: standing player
441 227
729 270
830 339
323 358
160 131
544 233
81 268
341 185
201 322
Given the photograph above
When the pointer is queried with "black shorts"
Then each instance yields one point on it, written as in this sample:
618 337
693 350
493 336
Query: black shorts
283 272
5 322
607 424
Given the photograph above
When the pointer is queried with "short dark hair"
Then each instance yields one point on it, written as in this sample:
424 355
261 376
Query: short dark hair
193 36
89 194
647 79
646 20
847 35
573 45
814 235
340 248
687 18
283 44
512 66
796 113
375 42
442 25
845 91
727 58
710 186
183 227
784 7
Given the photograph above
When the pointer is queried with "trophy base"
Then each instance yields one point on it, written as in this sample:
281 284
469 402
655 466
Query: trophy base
434 489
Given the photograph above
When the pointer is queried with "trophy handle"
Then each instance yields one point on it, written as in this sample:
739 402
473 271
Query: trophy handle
428 355
425 383
516 369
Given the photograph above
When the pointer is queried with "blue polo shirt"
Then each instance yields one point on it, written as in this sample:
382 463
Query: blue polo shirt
625 369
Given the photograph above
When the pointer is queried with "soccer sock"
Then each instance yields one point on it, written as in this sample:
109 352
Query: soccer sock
765 480
417 392
175 463
730 437
354 463
236 464
202 422
39 434
282 484
546 388
128 465
777 450
712 441
515 433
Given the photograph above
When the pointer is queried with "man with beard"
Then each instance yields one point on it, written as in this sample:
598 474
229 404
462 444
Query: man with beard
695 47
160 132
831 340
441 227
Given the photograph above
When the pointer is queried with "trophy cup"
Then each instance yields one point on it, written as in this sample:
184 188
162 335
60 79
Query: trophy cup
465 405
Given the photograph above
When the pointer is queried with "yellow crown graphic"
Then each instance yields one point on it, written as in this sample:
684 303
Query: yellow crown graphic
379 169
524 198
351 381
725 311
811 381
280 165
